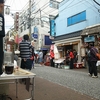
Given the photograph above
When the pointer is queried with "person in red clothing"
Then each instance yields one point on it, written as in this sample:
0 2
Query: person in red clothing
52 58
71 59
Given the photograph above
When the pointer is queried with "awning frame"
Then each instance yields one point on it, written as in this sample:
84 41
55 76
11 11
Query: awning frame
91 30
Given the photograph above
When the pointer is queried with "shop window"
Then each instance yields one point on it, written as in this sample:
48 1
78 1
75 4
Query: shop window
76 18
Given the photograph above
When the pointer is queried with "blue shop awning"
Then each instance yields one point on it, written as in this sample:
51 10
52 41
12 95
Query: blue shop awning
47 41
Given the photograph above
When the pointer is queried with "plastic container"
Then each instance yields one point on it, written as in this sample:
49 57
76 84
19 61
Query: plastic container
9 69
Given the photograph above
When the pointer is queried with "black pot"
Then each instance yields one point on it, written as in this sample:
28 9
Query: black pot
9 69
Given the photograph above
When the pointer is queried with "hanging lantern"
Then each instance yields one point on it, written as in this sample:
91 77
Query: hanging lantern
7 11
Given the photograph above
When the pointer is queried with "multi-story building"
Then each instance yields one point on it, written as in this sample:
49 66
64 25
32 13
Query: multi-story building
39 22
74 25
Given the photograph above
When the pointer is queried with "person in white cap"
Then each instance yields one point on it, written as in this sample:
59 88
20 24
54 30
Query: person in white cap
2 34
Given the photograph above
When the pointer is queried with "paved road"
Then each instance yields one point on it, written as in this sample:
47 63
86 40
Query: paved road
77 80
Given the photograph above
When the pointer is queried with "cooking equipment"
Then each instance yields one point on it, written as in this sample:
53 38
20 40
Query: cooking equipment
9 69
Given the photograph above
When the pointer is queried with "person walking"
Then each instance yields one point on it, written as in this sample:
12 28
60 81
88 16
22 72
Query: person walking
67 57
52 58
88 58
40 56
75 59
25 49
71 59
33 54
93 60
2 34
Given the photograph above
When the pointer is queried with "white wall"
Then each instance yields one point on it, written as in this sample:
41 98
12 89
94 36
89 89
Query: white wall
69 8
23 33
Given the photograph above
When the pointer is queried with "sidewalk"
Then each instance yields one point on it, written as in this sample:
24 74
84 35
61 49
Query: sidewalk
46 90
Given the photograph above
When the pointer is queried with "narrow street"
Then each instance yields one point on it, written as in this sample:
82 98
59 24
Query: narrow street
76 82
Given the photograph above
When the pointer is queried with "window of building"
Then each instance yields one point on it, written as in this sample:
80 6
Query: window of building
76 18
47 40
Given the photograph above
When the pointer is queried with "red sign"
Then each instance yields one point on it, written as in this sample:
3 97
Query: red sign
18 39
52 47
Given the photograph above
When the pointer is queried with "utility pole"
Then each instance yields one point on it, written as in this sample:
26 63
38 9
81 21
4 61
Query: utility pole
30 35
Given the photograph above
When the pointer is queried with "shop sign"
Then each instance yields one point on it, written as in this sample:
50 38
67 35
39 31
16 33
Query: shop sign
89 39
52 27
35 36
18 39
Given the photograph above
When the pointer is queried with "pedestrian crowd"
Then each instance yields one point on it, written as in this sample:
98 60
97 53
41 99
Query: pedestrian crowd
29 57
71 57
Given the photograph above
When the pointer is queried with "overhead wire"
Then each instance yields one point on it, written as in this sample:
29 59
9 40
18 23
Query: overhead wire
40 8
91 7
74 5
96 2
64 3
71 5
48 13
95 6
65 7
38 4
52 10
44 6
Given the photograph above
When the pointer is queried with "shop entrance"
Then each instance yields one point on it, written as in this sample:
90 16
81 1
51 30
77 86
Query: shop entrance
68 47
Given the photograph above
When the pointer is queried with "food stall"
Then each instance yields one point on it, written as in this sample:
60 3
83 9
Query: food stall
16 75
59 63
12 73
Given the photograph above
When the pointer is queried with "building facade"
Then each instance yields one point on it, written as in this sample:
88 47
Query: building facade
39 23
74 17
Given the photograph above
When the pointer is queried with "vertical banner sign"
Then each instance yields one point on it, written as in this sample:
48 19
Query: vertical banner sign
35 33
52 27
35 30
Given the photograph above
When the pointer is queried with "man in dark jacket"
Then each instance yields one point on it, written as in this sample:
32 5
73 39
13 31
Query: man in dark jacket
93 60
2 34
